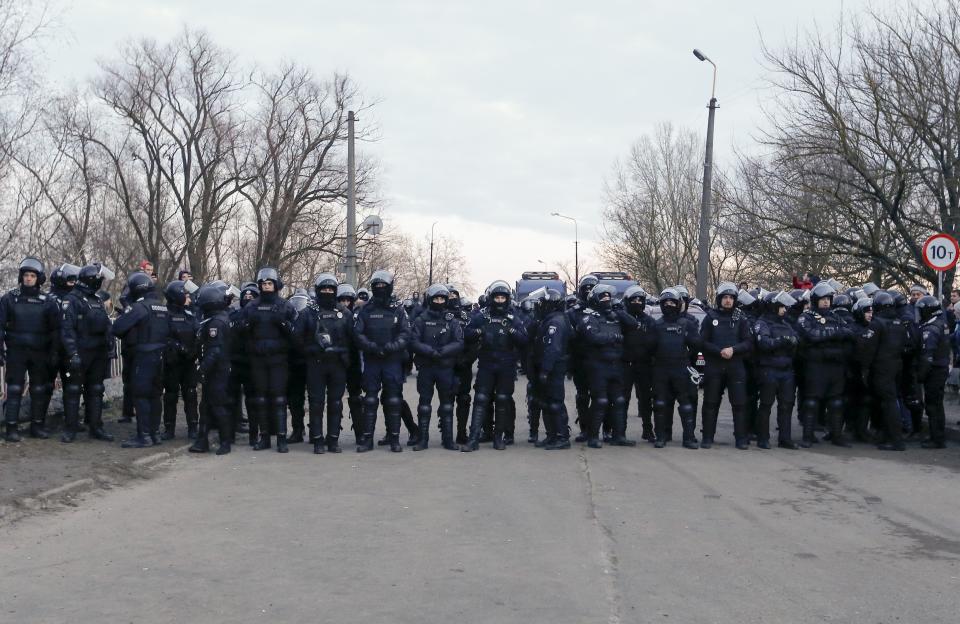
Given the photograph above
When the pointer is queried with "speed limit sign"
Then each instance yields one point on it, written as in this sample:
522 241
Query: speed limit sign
941 252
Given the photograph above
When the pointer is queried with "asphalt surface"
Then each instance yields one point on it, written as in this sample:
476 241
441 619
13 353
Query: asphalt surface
523 535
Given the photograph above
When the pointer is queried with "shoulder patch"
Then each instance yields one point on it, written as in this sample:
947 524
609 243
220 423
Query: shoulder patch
212 331
65 304
551 330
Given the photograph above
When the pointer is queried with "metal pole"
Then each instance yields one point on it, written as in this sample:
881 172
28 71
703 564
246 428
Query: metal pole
576 247
430 278
350 261
703 254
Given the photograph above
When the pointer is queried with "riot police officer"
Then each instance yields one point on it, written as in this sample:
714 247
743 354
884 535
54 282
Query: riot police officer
500 334
436 341
180 366
346 297
893 345
146 323
933 367
676 342
579 374
28 318
549 346
725 340
825 340
62 280
214 343
600 335
463 368
85 334
267 323
239 385
638 359
297 376
324 335
858 379
382 333
776 343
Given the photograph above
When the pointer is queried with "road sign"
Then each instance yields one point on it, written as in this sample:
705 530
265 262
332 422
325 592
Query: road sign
941 252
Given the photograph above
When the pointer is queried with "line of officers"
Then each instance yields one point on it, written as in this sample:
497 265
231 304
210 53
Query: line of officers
861 362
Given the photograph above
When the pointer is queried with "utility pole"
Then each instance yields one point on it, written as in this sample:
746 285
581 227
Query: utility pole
703 251
430 278
576 247
350 260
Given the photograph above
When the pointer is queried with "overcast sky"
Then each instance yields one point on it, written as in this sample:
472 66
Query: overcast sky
492 114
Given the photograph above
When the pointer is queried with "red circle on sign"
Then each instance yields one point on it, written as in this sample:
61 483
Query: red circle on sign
947 238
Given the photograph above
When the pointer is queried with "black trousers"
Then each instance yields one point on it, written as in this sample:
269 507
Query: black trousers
729 376
775 384
326 382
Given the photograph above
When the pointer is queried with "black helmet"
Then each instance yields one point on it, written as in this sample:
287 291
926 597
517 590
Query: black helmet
570 301
683 292
528 305
822 290
861 307
884 304
601 297
587 283
139 284
381 285
669 294
842 300
899 299
498 287
346 291
212 298
672 297
363 294
635 298
32 265
927 306
90 278
725 289
176 293
870 288
551 301
63 274
329 281
271 274
466 304
453 301
436 290
774 300
251 288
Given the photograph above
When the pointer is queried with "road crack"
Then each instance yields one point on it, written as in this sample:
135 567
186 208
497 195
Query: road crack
608 550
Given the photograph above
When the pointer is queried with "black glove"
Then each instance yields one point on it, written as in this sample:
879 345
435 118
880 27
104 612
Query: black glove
324 341
543 377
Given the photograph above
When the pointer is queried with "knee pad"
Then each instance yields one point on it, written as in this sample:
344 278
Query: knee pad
69 390
95 389
619 403
280 402
685 409
601 403
811 404
424 410
393 403
555 407
40 390
502 398
445 408
481 398
659 404
835 403
14 390
259 402
335 406
370 402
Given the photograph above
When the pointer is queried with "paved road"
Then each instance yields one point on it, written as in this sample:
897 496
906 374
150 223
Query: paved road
524 535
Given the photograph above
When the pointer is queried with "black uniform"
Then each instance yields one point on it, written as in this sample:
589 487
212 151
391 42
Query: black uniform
638 347
146 324
463 377
324 337
776 347
721 329
549 357
214 341
267 323
29 320
239 386
576 370
85 334
675 342
499 334
436 341
825 342
886 368
180 371
933 367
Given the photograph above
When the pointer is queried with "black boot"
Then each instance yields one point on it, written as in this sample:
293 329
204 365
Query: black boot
141 439
368 425
263 442
445 413
95 419
318 447
498 443
224 447
787 444
413 430
463 416
191 431
282 443
476 424
37 430
202 443
423 423
808 417
688 421
296 436
620 427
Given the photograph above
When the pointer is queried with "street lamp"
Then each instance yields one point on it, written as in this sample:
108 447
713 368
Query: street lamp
430 278
703 258
576 245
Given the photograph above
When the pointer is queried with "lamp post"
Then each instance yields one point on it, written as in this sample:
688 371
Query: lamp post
703 252
576 246
430 278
